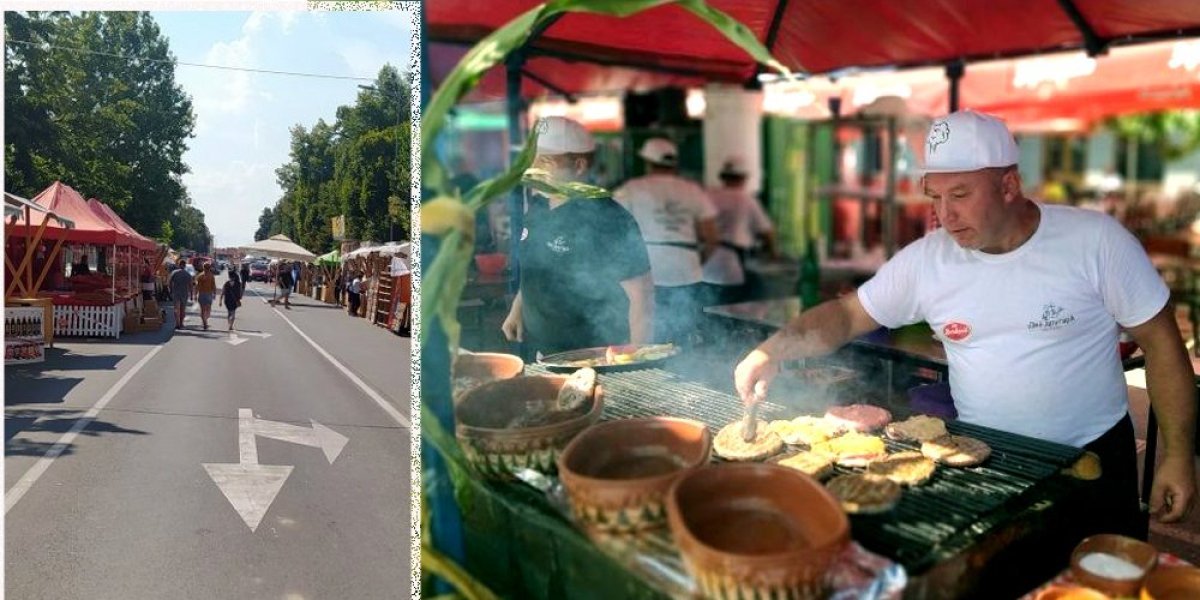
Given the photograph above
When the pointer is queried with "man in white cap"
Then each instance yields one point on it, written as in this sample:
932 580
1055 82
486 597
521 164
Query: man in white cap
585 277
1028 300
679 224
740 220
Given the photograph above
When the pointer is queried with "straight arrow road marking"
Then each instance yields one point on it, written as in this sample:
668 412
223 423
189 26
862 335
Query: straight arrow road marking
251 487
234 340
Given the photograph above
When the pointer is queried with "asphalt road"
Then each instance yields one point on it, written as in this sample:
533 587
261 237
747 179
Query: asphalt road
128 508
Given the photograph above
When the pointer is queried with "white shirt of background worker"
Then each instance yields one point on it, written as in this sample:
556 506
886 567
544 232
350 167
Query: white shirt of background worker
740 219
673 214
678 222
1028 300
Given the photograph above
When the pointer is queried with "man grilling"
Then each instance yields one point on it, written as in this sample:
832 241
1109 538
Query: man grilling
1028 300
585 277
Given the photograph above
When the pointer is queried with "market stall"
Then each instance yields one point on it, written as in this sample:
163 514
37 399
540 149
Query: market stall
27 320
85 303
279 247
386 283
329 270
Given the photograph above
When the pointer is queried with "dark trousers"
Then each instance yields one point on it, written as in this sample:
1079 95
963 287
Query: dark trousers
676 313
1114 501
355 299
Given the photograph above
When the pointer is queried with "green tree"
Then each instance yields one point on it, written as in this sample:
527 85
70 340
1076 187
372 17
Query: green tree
91 100
357 167
265 221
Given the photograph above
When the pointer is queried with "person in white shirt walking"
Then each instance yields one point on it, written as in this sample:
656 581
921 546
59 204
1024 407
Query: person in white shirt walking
740 220
678 222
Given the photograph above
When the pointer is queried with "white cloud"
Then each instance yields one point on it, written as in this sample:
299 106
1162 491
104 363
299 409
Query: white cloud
364 59
287 20
254 23
232 196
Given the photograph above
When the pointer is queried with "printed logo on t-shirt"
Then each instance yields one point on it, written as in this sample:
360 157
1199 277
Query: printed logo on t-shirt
559 245
524 233
956 331
1053 317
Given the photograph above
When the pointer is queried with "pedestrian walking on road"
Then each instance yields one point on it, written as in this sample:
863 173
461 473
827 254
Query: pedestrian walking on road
206 288
353 290
241 287
284 281
181 289
231 297
245 279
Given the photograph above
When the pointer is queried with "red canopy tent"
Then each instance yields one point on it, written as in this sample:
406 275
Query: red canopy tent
90 228
809 36
106 212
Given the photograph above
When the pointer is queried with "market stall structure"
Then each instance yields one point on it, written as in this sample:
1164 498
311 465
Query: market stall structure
28 320
85 304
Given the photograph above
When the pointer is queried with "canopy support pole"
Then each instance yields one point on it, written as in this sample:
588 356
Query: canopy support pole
1092 42
954 72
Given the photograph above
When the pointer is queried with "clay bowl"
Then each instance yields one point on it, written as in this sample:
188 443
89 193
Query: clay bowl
1172 583
1141 554
475 369
492 440
1070 592
617 474
750 530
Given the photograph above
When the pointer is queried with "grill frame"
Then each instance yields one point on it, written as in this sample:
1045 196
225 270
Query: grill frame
955 509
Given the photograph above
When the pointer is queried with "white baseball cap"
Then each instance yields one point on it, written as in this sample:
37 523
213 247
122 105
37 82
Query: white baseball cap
660 151
968 141
560 135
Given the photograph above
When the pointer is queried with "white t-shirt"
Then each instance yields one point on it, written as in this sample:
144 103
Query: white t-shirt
667 208
739 219
1030 335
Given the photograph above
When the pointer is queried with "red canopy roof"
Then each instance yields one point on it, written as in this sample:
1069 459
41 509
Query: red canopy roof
814 36
106 212
90 228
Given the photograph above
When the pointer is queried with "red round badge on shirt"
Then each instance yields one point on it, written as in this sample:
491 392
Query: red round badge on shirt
956 331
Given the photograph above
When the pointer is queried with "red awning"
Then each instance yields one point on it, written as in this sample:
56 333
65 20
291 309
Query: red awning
89 227
1059 91
813 36
106 212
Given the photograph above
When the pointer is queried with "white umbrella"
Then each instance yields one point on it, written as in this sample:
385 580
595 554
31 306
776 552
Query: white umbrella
279 246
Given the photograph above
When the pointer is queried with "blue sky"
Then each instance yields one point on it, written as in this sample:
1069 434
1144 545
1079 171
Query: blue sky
242 118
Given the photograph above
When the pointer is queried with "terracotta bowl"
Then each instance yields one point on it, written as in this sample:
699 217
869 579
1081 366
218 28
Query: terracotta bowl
1070 592
618 473
1172 583
475 369
1141 554
750 530
486 431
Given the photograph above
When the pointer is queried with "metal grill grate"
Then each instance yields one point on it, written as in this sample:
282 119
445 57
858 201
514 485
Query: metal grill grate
953 504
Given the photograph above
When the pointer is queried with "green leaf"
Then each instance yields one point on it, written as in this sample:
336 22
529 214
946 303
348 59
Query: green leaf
736 32
489 52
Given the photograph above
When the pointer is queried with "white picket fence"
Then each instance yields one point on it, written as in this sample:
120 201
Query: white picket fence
89 321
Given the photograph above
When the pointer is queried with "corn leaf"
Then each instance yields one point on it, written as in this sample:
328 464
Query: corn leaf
735 31
439 564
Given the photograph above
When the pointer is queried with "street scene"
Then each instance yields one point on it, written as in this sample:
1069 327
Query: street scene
208 304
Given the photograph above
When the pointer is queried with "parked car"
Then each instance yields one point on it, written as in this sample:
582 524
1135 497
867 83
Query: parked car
258 272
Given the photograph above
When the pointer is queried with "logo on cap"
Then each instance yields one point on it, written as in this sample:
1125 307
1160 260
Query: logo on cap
956 331
938 134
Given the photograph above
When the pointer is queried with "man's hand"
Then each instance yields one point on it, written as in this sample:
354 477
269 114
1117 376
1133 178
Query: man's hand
1174 491
753 375
513 326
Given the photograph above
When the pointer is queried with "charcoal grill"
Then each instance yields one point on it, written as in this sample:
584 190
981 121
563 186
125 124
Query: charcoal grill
932 522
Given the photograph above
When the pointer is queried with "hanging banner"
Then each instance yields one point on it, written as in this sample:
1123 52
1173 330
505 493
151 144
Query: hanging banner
339 228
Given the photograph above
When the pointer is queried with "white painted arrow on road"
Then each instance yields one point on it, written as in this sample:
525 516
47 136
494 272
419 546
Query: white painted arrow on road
236 339
251 487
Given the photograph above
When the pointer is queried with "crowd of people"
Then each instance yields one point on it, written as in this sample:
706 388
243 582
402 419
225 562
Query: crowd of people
186 285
